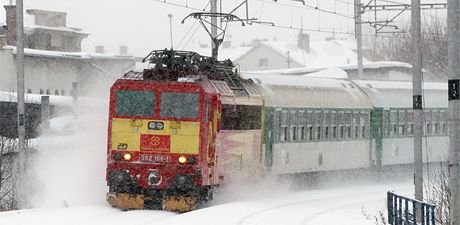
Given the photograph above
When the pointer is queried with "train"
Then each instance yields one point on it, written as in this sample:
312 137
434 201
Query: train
188 124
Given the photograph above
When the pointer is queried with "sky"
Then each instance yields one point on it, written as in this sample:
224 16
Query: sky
143 25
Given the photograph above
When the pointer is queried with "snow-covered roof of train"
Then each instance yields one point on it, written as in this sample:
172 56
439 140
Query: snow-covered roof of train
398 94
309 92
309 70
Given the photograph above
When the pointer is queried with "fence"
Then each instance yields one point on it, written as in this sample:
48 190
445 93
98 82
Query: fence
404 211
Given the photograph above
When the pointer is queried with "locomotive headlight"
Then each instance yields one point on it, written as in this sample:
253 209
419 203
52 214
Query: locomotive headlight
182 159
127 156
152 125
160 126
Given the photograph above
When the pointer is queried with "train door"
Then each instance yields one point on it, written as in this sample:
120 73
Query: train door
377 134
269 136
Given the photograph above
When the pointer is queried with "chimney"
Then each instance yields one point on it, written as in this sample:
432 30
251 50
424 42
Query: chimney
100 49
123 50
303 41
11 24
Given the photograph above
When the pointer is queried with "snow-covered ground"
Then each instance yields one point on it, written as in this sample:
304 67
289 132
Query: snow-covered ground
317 207
67 187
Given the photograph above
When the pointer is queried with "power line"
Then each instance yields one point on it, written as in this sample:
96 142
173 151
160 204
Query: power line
179 5
310 7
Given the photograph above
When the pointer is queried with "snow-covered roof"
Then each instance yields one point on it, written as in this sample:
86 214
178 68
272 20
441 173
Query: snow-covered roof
321 53
366 65
233 53
54 99
398 94
33 27
69 55
314 92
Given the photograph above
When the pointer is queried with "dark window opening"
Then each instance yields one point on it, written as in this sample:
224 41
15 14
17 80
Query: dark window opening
242 117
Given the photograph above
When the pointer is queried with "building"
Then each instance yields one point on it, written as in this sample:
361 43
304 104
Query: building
53 57
273 55
44 30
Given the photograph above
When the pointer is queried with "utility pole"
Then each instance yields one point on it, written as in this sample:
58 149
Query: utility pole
453 11
359 37
417 97
20 99
170 29
214 29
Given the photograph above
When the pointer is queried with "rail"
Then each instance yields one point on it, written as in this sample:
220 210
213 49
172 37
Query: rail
403 211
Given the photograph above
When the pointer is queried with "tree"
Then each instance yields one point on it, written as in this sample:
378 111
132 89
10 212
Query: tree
434 51
8 153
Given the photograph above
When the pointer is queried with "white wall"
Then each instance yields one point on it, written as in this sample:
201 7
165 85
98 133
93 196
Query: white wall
58 73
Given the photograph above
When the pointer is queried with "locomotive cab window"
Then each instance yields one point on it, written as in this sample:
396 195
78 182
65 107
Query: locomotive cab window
135 103
179 105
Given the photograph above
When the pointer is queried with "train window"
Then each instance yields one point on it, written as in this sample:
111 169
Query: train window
348 121
302 132
356 121
326 124
301 120
393 122
318 123
410 122
318 133
293 133
284 133
278 125
135 103
435 119
442 121
241 117
428 121
206 112
310 133
179 105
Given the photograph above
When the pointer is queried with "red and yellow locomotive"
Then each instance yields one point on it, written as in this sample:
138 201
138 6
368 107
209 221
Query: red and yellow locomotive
162 136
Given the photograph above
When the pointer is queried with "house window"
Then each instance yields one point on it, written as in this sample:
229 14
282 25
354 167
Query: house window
29 91
42 92
263 63
62 92
56 92
48 92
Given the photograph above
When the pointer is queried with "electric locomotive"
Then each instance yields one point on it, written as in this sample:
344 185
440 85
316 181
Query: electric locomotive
163 130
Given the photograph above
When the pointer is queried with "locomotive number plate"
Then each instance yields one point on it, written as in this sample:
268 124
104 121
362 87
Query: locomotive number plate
155 158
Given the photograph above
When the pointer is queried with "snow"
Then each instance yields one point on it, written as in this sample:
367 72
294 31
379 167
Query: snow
325 206
54 99
321 80
333 72
73 55
399 85
322 53
31 27
233 53
366 65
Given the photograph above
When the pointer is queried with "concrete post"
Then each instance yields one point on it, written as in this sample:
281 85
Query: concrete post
417 98
45 114
453 11
22 160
